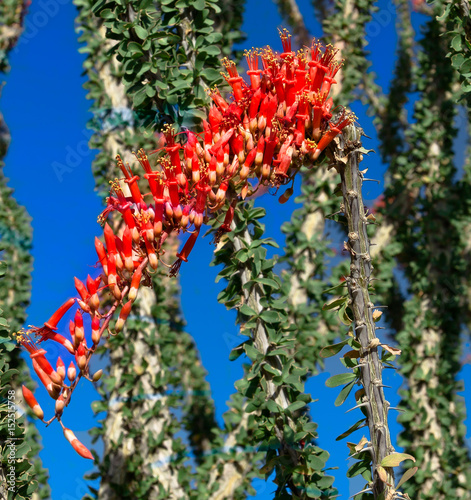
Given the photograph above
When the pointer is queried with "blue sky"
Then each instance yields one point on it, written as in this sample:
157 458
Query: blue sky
45 107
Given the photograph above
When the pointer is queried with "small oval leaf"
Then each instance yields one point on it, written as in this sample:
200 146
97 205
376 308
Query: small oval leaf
340 379
395 459
332 350
407 475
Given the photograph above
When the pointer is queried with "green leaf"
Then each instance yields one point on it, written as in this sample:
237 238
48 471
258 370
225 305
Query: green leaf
198 4
456 43
334 303
212 50
267 281
247 310
407 475
237 351
331 289
141 32
340 379
466 67
353 428
344 394
358 468
251 352
297 405
270 316
332 350
395 459
344 318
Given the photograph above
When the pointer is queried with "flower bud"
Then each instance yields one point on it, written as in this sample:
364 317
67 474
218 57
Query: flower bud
32 403
97 375
82 450
96 330
81 357
60 368
123 316
60 404
135 282
71 372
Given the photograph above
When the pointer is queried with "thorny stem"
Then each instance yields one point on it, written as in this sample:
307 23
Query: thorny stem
347 158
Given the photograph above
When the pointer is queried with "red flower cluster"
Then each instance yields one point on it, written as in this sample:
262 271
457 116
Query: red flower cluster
271 127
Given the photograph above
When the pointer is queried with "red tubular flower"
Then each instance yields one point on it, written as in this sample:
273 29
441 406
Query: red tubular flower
47 330
84 295
185 220
259 151
79 332
92 286
221 193
208 137
52 389
32 403
222 141
253 109
38 355
135 282
183 255
113 277
81 357
245 170
123 316
57 337
201 198
234 80
76 444
217 166
214 117
218 100
271 143
130 180
81 289
110 239
335 129
332 70
101 252
254 73
302 116
127 250
172 148
96 330
153 259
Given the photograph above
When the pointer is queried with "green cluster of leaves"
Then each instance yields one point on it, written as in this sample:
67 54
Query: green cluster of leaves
424 203
347 22
314 328
168 53
306 475
457 18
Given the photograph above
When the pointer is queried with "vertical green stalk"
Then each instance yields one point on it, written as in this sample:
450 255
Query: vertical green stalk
347 160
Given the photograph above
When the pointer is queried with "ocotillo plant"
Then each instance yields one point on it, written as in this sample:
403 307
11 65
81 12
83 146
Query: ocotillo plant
276 123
